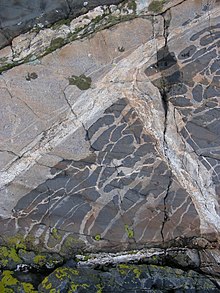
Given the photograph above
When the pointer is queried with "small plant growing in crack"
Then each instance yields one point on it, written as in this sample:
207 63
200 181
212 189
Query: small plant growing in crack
97 237
55 234
82 82
129 231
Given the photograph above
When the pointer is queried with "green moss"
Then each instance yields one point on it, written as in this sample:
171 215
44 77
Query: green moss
129 231
156 6
82 82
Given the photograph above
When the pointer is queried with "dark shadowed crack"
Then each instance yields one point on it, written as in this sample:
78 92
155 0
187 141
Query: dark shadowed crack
165 59
87 138
166 215
68 103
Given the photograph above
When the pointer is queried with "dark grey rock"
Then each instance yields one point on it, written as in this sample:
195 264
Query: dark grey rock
19 16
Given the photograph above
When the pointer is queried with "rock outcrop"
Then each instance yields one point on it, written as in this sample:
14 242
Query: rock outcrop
110 135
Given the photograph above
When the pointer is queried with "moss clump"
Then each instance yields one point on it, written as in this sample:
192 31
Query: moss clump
129 231
156 6
82 82
71 278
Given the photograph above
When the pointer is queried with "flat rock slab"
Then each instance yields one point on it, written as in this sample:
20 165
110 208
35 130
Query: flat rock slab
112 142
17 17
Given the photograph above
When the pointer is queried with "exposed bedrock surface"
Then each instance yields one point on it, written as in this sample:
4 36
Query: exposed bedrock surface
110 136
19 16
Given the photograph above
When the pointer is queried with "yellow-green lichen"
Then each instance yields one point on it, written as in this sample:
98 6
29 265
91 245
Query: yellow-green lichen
123 269
40 259
62 273
7 254
10 284
8 279
74 287
45 282
137 273
129 231
16 241
48 286
99 288
28 288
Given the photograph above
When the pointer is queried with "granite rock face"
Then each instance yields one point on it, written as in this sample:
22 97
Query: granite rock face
110 140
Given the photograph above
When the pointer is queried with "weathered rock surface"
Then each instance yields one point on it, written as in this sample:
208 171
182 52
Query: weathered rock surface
18 16
110 137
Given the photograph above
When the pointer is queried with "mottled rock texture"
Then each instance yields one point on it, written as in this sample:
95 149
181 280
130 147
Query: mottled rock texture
110 128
